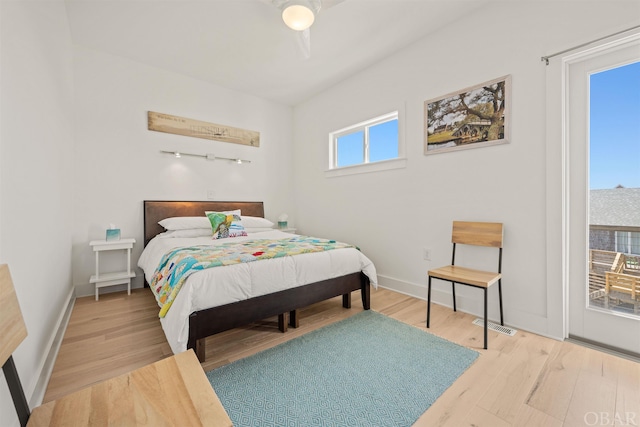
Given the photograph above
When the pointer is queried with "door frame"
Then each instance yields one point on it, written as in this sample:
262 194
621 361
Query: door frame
556 185
619 42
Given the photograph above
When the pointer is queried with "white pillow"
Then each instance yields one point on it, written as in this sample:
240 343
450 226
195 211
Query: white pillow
255 222
190 232
189 222
185 222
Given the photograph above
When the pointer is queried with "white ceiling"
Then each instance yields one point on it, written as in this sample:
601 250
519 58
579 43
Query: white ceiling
244 45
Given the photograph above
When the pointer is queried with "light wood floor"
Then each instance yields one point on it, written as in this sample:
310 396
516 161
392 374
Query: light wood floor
525 380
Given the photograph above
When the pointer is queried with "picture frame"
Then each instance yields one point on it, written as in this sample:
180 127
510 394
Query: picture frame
477 116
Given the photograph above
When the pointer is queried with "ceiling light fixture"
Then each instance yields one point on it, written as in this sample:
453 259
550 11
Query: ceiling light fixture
206 156
300 14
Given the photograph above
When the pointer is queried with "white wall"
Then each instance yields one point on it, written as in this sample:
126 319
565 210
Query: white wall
36 148
62 194
392 215
119 164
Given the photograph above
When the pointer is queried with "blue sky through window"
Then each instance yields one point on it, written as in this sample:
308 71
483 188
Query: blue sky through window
615 128
383 141
351 149
383 144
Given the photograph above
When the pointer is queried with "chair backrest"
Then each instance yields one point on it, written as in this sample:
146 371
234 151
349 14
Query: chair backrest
477 233
13 330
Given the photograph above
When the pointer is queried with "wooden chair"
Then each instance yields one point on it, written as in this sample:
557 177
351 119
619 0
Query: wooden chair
487 234
13 332
623 284
172 391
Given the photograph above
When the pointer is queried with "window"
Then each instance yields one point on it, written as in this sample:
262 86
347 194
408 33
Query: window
372 141
628 242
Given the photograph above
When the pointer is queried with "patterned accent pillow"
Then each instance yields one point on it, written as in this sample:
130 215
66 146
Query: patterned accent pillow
225 225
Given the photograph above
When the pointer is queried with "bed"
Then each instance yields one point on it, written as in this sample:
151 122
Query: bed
193 316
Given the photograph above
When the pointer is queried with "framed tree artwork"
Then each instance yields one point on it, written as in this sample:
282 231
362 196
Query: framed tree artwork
477 116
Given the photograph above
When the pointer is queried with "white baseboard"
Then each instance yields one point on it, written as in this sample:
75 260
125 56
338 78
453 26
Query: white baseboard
463 303
468 304
46 366
407 288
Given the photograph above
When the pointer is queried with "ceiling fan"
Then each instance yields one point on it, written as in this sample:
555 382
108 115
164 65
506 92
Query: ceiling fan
299 15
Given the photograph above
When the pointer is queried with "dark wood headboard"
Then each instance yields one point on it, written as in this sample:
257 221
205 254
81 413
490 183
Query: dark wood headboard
157 210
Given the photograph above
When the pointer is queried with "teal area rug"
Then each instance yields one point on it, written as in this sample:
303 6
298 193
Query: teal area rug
367 370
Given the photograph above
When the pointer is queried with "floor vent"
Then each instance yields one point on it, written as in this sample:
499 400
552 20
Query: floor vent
495 327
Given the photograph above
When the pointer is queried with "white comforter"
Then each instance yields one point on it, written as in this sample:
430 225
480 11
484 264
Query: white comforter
223 285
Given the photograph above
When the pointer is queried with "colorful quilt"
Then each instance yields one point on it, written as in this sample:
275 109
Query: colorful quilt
177 265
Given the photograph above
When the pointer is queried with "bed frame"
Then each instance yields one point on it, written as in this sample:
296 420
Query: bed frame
211 321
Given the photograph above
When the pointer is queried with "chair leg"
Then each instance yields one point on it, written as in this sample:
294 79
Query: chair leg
500 297
453 289
429 301
16 391
486 320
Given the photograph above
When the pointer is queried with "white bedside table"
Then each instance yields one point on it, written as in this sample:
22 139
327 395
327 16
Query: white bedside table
117 278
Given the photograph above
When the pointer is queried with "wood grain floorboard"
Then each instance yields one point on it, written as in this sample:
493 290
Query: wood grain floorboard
524 380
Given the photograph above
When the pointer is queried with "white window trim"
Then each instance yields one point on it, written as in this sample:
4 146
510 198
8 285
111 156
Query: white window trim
382 165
